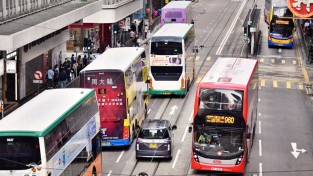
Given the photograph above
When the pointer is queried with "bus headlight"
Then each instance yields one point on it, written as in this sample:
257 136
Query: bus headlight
239 160
195 156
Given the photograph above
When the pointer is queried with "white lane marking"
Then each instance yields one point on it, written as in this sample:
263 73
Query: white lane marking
260 169
148 111
260 148
259 114
176 158
191 115
109 173
185 134
219 50
118 159
259 100
259 127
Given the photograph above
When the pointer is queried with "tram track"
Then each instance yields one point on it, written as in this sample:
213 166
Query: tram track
182 100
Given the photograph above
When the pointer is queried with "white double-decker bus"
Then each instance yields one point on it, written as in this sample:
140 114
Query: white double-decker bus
172 60
55 133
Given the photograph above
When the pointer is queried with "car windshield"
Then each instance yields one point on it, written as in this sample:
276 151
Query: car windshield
218 142
153 134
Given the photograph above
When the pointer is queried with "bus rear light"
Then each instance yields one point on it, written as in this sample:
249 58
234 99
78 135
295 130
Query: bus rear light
182 83
34 169
150 83
125 132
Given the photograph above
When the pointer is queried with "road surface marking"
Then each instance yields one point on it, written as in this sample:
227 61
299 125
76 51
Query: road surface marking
262 60
274 83
148 111
300 86
288 84
294 62
260 148
191 115
109 173
259 127
260 169
118 159
208 58
273 60
283 61
263 83
198 80
176 158
185 134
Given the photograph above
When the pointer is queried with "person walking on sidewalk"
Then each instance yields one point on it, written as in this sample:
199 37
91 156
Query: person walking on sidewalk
63 77
146 30
50 74
56 76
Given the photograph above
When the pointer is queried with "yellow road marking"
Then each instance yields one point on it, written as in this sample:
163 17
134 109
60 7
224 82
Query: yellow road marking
288 84
198 80
261 60
274 83
300 86
283 61
197 58
294 62
208 58
306 76
263 83
273 60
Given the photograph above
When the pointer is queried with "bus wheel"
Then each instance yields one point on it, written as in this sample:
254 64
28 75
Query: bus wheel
94 171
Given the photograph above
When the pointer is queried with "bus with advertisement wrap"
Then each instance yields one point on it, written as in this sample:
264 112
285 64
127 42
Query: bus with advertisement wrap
225 113
119 77
176 12
172 59
281 27
55 133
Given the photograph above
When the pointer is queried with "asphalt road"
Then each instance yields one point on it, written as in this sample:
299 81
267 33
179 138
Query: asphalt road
284 109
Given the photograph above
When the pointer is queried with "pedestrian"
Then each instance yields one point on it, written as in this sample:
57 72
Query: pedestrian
85 61
146 30
56 76
108 47
155 13
49 77
66 64
79 59
132 34
118 44
73 60
68 74
140 27
135 41
63 77
79 68
192 22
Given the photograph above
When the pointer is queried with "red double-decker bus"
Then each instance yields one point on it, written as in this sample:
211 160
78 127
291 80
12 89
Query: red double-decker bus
225 113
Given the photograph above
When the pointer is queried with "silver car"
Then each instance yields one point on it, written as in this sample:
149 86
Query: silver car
155 139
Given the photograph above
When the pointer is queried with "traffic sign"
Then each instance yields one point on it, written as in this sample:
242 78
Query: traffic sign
121 23
303 9
37 75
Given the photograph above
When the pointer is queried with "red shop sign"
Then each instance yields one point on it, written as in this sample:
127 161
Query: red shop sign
301 8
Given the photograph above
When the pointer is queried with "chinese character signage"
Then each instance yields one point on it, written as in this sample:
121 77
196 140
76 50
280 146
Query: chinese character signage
301 8
11 66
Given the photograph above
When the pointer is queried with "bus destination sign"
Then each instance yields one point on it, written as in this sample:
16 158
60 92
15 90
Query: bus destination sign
282 22
220 119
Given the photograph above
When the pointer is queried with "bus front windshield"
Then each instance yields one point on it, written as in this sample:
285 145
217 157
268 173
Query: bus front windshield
17 152
220 99
166 48
218 142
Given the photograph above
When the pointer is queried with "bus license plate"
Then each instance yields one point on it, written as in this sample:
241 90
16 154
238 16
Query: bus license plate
153 145
106 143
216 169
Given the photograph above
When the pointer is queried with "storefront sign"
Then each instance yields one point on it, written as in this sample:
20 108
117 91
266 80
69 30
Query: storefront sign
10 66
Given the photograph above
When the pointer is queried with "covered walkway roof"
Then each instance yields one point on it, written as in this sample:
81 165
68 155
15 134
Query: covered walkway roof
19 32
